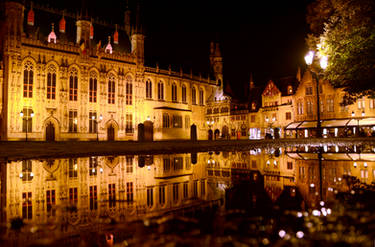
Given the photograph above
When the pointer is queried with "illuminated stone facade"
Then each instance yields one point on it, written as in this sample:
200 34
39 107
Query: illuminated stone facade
83 80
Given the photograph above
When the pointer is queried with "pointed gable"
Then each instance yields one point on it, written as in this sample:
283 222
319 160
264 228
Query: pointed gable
271 89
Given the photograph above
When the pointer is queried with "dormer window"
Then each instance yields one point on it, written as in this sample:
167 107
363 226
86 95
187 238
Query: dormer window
108 48
52 36
30 17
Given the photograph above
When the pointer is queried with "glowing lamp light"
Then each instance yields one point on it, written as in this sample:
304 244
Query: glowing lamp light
365 164
324 62
363 113
32 114
31 174
321 203
148 167
101 170
353 114
148 118
316 212
21 114
21 175
93 117
300 234
101 117
355 164
309 57
299 214
282 233
93 169
312 185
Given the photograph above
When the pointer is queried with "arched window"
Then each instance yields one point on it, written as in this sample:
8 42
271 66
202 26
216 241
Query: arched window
51 82
165 120
160 91
111 89
193 96
183 93
148 89
73 85
28 78
129 90
201 96
174 92
93 87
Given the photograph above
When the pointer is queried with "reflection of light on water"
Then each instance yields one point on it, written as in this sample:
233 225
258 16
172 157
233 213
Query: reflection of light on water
282 233
300 234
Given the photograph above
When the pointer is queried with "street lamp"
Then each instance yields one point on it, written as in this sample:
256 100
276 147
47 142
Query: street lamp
309 58
27 118
93 117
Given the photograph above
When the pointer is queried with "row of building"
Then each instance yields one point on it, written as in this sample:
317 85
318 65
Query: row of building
87 80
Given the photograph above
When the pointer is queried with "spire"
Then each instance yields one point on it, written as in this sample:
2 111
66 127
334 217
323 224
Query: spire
299 76
115 36
217 50
30 16
127 18
62 24
108 48
91 30
138 24
52 36
84 15
251 81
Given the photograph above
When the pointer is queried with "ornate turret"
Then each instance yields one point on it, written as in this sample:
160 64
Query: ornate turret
137 38
62 24
216 63
127 19
83 26
30 16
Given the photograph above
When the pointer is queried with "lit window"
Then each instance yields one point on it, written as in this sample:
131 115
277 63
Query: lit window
93 87
28 78
148 89
160 91
51 82
193 96
73 85
183 94
129 90
111 89
174 92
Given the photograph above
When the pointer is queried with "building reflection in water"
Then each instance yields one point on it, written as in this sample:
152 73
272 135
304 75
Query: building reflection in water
68 194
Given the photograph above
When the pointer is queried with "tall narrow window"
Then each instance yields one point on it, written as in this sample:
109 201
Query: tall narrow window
148 89
111 89
112 195
175 192
28 78
93 198
177 121
129 192
193 96
27 120
51 82
201 96
93 163
92 122
27 170
27 207
203 187
93 87
166 164
73 121
195 188
174 92
162 195
129 164
129 123
73 85
73 196
186 190
187 122
73 168
165 120
150 197
51 202
129 90
160 91
183 92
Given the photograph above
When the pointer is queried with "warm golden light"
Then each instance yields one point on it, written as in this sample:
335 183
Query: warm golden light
21 114
324 62
309 57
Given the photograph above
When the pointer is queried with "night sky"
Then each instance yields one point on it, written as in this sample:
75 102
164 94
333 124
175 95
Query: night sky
265 38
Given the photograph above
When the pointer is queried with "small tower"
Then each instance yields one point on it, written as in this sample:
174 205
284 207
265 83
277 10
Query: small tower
216 63
138 38
83 26
30 16
115 36
14 18
62 24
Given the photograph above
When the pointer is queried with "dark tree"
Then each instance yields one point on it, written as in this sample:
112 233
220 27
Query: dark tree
344 30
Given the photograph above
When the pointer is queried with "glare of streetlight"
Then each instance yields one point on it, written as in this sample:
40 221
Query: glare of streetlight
352 113
324 62
363 113
93 117
309 57
100 117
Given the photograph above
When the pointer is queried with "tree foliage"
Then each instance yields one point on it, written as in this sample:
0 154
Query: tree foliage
344 30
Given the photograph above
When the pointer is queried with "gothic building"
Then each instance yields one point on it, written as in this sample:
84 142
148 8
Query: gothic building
68 77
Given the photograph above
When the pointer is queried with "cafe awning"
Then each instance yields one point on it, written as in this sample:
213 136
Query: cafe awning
331 123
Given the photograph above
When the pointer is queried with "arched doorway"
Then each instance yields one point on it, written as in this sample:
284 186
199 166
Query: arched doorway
111 133
217 134
210 135
50 132
225 132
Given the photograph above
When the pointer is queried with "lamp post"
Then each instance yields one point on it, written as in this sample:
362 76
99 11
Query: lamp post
27 118
97 125
309 58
